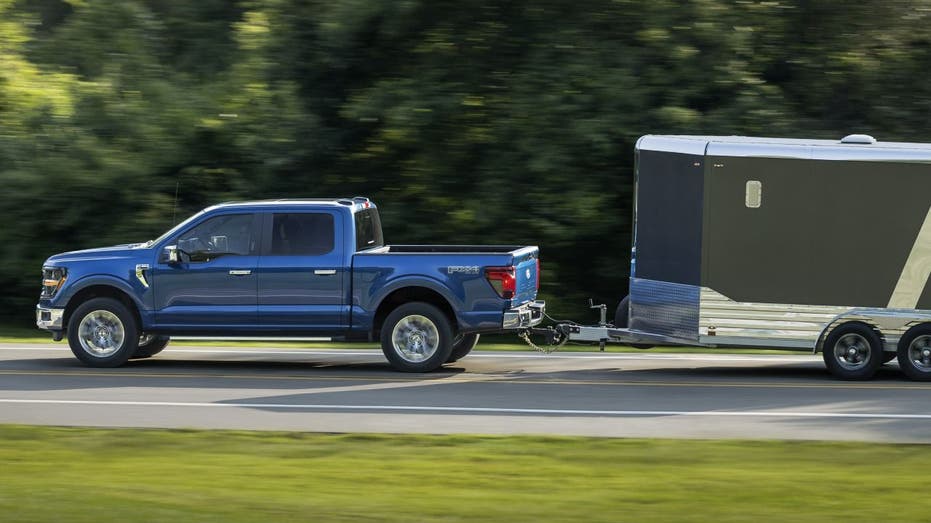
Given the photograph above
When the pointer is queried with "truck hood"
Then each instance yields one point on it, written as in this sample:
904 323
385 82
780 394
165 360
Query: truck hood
101 253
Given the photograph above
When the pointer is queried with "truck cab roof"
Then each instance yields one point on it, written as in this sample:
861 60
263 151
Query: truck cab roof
354 204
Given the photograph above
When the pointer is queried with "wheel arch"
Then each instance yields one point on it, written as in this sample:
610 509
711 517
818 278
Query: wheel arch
102 290
847 320
409 294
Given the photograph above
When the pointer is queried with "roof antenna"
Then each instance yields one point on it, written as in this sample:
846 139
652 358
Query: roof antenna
174 210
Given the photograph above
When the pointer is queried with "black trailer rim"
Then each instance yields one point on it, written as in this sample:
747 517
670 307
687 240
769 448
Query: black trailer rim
919 353
852 351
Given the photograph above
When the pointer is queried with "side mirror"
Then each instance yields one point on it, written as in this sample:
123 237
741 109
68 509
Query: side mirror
173 255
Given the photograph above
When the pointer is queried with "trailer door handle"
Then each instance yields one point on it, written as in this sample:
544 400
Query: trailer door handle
240 272
324 272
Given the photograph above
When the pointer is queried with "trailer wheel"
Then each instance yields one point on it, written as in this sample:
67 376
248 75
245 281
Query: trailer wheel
417 337
462 346
853 351
622 321
915 353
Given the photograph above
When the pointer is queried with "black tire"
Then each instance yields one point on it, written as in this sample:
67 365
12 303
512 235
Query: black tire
622 320
915 353
853 351
102 332
151 348
462 346
417 337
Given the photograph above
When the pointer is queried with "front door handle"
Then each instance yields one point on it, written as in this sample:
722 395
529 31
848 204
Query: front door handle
325 272
240 272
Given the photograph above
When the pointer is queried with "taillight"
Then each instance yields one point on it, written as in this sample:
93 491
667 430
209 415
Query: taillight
503 280
539 268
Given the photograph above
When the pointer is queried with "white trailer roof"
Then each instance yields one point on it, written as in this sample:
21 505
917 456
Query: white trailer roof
749 146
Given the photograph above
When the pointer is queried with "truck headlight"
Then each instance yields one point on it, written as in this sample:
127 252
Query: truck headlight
52 280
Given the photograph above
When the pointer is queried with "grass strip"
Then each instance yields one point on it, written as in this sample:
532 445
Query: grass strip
102 475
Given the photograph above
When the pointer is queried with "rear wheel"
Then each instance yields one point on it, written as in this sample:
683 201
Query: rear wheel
102 332
853 351
462 346
150 345
915 353
417 337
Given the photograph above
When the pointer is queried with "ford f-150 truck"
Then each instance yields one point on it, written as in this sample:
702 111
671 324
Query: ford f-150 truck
288 268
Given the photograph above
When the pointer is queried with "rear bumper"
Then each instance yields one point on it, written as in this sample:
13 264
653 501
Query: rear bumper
525 316
49 319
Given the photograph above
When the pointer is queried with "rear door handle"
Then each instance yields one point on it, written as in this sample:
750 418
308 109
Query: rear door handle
240 272
324 272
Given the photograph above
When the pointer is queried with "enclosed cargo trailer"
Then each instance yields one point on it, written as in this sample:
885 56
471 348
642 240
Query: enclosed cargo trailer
781 243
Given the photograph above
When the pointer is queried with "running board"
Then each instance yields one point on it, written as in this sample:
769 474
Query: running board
246 338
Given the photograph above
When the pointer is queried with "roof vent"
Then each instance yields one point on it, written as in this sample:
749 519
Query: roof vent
858 139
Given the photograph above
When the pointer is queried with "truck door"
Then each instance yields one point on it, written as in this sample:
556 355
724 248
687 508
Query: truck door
301 273
214 285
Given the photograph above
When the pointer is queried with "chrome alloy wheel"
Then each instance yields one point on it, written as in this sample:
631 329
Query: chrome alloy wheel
919 353
101 333
415 338
852 351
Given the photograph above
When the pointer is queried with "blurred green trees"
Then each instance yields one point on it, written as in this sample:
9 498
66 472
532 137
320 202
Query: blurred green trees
469 121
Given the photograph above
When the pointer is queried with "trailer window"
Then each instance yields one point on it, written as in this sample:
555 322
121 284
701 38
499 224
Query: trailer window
754 194
368 230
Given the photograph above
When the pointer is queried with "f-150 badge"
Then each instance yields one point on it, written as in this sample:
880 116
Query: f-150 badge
462 269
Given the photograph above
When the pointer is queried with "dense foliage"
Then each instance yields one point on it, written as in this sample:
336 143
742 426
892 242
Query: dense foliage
469 121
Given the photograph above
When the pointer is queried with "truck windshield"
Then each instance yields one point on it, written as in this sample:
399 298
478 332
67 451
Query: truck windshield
368 230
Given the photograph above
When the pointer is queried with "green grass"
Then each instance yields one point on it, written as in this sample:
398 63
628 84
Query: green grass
99 475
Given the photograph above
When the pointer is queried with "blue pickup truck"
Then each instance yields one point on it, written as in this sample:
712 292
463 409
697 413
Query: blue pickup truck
288 268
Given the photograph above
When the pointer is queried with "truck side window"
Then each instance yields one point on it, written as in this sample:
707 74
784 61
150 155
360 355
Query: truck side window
227 234
309 234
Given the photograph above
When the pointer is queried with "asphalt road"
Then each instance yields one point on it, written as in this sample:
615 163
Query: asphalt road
619 395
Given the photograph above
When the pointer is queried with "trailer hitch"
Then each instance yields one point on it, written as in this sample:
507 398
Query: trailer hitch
553 337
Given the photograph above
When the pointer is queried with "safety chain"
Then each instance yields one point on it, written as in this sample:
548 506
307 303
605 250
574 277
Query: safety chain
525 335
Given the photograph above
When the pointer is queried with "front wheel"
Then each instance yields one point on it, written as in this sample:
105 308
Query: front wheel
853 351
102 332
462 346
417 337
915 353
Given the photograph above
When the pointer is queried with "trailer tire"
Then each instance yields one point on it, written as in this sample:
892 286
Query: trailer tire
102 332
915 353
853 351
622 320
150 347
462 346
417 337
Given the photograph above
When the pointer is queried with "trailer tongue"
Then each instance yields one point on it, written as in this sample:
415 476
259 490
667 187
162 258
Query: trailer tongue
814 245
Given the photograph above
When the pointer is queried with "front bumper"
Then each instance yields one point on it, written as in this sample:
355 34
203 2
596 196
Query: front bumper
49 319
524 316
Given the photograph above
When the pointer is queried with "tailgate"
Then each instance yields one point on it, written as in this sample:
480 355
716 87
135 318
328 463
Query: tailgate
526 274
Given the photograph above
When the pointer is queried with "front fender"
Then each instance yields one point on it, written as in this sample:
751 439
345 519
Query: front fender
63 298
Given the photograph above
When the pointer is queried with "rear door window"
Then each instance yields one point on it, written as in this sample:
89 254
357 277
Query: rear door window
306 234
